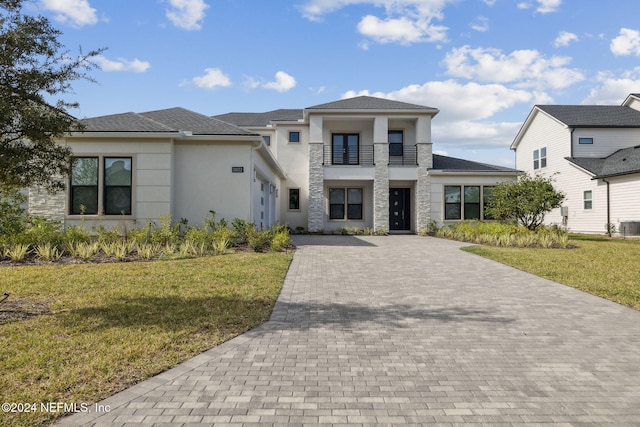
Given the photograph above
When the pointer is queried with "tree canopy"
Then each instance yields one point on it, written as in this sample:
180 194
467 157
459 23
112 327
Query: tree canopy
34 69
525 201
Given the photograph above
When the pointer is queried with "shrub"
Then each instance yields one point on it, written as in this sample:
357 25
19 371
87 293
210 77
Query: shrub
280 240
18 252
48 252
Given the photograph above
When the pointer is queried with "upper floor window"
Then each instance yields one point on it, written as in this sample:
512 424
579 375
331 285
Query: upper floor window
101 188
345 149
585 140
266 139
294 136
396 143
540 158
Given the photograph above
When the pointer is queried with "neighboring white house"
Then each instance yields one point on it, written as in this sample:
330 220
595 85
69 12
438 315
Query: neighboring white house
593 154
363 162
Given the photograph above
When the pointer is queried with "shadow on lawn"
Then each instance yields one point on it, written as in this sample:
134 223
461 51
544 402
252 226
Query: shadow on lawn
171 313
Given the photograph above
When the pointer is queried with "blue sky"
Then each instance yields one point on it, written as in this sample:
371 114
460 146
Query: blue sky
482 63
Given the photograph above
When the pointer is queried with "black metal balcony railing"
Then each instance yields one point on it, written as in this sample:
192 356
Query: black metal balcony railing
363 155
407 155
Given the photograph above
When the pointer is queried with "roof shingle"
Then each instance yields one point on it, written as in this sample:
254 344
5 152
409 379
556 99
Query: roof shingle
452 164
623 162
369 103
592 116
169 120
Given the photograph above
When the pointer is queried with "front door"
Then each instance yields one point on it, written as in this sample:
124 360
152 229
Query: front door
399 208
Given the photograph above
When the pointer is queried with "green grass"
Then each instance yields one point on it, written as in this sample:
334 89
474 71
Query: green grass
598 265
110 326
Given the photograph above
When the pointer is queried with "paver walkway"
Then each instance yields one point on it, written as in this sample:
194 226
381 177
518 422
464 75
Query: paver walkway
406 329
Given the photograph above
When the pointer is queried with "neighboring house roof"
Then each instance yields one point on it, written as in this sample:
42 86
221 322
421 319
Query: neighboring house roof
260 119
623 162
169 120
593 116
452 164
369 103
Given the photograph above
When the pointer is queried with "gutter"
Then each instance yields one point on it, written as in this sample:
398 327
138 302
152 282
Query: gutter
608 208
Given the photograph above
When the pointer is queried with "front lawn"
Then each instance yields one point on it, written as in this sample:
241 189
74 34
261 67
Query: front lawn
598 265
80 333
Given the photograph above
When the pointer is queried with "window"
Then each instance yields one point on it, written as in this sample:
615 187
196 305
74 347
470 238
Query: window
588 200
266 139
452 202
345 203
540 158
396 143
466 202
345 149
84 186
585 140
101 188
294 136
294 199
472 202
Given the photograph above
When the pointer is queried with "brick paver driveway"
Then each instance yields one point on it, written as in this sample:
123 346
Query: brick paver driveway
406 329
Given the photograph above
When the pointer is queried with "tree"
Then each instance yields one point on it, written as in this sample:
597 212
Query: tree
33 67
525 201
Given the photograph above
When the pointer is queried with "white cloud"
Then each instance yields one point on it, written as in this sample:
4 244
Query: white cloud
627 43
405 21
524 5
75 12
212 78
564 39
489 2
614 89
121 64
283 82
548 6
481 24
187 14
523 68
401 30
465 110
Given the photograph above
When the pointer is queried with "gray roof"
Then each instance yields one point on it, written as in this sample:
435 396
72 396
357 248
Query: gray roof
452 164
622 162
593 116
369 103
170 120
260 119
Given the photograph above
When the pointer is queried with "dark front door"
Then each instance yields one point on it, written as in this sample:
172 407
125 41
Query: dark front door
399 208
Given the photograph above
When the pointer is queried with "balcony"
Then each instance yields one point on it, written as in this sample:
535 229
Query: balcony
363 155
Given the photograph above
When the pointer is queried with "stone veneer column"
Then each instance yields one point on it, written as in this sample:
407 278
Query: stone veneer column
423 186
50 206
381 187
316 188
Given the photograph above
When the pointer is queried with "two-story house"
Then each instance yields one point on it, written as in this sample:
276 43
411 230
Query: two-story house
367 162
593 154
363 162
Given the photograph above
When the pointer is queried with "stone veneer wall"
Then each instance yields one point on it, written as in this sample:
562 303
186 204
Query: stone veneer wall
316 187
423 186
50 206
381 187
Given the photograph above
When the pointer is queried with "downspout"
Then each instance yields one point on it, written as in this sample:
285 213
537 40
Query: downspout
571 141
608 208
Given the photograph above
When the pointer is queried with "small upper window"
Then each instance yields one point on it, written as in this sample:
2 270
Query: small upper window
294 136
585 140
540 158
267 139
294 199
396 139
588 200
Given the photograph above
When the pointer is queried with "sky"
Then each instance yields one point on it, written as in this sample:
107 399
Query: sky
483 63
